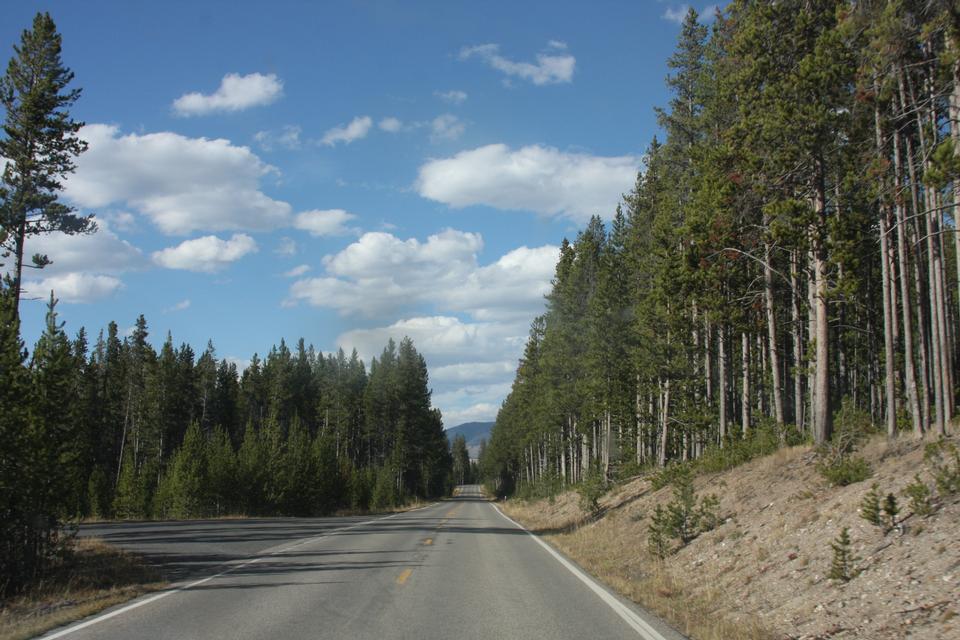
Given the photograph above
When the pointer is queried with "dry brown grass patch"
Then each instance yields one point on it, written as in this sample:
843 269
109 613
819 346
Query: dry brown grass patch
91 577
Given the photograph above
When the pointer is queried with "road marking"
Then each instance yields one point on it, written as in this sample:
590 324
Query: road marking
234 567
402 578
638 624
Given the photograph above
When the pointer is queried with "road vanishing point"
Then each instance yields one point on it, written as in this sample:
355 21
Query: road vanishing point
454 569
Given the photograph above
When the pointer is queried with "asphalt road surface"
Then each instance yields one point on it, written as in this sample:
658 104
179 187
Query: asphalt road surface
454 569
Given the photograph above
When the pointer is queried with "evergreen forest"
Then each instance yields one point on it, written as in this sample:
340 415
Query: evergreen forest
786 260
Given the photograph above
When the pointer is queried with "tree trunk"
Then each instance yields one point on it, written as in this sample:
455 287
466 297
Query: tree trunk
745 373
822 427
772 337
722 367
888 361
797 330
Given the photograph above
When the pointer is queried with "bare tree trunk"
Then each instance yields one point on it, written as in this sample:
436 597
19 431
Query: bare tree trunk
745 373
888 360
665 421
908 365
797 330
772 337
822 427
722 366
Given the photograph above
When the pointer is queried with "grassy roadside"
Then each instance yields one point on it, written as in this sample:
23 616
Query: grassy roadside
92 576
615 556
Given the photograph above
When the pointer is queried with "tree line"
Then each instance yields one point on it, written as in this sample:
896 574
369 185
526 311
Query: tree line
790 245
115 429
118 430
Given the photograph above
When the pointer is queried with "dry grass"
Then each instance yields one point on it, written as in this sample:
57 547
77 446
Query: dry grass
92 577
762 572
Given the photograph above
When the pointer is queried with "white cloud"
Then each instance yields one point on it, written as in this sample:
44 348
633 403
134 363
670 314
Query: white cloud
480 412
380 273
102 252
358 128
444 341
454 96
324 223
287 138
207 254
74 287
679 13
235 93
183 305
462 372
297 271
534 178
286 247
551 67
445 127
390 125
181 184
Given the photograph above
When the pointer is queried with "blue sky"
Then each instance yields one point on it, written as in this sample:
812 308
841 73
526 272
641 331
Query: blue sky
345 171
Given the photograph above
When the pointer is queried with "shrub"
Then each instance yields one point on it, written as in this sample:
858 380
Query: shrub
870 506
591 490
656 533
939 456
667 475
842 567
844 470
919 494
890 511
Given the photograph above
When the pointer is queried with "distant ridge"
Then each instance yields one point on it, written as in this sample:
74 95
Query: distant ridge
473 432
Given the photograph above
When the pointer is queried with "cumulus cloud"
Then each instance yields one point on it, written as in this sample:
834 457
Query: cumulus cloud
679 13
208 254
454 96
74 287
390 125
287 138
358 128
330 222
443 341
480 412
534 178
446 127
553 66
380 273
100 252
297 271
181 184
235 93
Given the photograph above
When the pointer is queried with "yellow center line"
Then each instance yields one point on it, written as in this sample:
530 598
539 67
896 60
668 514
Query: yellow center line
403 576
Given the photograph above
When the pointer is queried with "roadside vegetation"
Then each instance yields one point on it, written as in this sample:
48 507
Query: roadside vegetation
87 577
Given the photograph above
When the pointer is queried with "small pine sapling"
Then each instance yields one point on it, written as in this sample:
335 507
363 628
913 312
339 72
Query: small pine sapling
919 494
682 512
890 511
842 568
939 455
707 513
657 533
870 506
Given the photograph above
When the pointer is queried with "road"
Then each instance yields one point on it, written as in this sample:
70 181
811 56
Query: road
454 569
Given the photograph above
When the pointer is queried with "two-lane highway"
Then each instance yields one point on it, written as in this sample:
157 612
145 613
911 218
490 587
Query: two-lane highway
454 569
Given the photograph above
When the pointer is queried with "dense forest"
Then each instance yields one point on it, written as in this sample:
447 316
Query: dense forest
788 252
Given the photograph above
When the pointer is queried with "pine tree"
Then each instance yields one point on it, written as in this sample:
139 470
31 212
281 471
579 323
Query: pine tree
40 144
18 561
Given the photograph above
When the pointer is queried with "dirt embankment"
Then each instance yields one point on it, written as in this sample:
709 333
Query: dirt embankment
763 572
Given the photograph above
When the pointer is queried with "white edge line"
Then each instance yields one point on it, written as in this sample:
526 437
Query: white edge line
170 592
629 616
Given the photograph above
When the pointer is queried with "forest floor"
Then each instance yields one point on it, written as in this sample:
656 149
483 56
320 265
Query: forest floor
92 577
762 573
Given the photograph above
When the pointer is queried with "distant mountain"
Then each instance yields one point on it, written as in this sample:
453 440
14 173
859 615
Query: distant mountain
473 432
